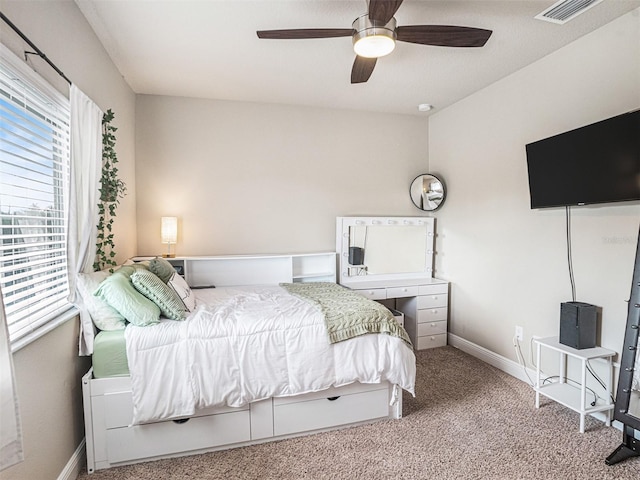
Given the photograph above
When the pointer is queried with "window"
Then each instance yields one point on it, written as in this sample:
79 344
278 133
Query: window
34 179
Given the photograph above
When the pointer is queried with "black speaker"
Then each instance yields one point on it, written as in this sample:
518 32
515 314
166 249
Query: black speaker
356 256
578 325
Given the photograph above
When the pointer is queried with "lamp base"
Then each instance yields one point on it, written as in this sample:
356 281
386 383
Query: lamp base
168 255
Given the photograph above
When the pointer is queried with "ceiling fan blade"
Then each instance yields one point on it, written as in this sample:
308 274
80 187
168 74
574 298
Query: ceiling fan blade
362 69
299 33
383 10
443 35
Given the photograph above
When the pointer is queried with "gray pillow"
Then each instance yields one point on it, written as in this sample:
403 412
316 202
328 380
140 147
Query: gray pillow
161 268
150 285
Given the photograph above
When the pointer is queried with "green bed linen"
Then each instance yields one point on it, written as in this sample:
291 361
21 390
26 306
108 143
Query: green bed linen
110 355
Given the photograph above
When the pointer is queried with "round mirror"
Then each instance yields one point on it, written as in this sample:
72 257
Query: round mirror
427 192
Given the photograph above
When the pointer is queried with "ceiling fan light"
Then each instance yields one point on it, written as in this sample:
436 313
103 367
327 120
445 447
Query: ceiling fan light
373 40
374 46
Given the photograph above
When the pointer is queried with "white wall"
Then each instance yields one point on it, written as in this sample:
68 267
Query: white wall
507 263
255 178
48 371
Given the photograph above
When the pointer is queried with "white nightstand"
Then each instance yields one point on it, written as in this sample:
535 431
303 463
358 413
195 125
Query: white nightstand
570 396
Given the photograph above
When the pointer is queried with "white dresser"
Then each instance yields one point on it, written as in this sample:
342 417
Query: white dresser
425 315
424 303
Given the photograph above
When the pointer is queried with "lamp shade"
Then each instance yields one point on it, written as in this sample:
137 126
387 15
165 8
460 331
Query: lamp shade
169 230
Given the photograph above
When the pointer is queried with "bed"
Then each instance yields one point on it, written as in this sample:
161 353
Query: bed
280 369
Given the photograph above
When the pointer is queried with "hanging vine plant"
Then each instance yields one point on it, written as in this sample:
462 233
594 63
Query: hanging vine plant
112 189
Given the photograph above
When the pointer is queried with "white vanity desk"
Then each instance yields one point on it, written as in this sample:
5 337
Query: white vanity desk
397 265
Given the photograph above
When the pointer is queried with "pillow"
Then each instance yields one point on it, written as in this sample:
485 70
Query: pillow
179 285
103 316
158 292
118 292
144 265
162 268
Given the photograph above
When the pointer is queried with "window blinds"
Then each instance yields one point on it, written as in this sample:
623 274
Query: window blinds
34 178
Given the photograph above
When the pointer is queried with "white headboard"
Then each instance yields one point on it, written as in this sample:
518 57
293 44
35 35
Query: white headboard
236 270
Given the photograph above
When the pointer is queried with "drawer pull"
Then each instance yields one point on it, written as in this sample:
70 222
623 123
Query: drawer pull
180 421
333 399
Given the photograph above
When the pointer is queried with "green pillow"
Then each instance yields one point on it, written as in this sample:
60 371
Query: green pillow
119 293
144 265
162 268
150 285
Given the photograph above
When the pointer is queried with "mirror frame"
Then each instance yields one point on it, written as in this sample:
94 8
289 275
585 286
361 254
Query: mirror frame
370 281
630 446
416 202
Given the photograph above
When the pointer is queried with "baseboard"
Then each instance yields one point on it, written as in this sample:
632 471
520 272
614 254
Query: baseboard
506 365
72 468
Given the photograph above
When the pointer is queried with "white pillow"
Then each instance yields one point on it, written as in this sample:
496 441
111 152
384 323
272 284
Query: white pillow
180 286
103 315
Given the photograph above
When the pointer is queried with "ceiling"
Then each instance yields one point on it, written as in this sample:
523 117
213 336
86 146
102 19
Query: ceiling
209 49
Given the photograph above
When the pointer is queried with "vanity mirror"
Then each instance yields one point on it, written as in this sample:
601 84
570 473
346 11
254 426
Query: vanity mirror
376 249
427 192
627 408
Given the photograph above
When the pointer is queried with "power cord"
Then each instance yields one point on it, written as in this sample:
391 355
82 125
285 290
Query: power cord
521 360
590 370
569 259
523 364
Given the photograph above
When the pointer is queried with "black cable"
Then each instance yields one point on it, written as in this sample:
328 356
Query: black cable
593 374
568 380
569 259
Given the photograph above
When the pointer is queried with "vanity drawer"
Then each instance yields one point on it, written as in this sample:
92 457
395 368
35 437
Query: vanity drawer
431 341
400 292
432 301
436 314
434 289
164 438
324 413
432 328
373 293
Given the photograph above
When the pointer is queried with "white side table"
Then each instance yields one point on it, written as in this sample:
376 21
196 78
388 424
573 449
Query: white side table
570 396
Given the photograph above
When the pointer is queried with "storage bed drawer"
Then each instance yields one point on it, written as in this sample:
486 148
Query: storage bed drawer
118 408
163 438
328 412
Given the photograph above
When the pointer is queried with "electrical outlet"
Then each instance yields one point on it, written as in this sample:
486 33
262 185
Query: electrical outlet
519 333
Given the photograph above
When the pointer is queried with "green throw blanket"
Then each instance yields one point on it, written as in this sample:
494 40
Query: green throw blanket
347 314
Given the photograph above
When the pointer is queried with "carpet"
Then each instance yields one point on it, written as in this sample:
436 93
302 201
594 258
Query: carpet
469 420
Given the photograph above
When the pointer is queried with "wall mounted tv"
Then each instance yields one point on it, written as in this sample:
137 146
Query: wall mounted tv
599 163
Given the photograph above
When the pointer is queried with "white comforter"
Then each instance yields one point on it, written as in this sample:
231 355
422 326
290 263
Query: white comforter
247 344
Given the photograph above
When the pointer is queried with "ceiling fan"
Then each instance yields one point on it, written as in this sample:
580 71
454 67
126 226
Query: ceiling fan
375 33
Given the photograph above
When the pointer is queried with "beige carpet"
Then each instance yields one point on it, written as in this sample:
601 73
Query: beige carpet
468 421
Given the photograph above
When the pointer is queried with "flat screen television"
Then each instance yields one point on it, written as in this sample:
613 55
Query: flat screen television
598 163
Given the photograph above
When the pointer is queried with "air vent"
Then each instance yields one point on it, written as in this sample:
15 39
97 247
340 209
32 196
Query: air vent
564 10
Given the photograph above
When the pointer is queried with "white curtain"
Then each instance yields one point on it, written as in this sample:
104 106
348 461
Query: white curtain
10 431
86 167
